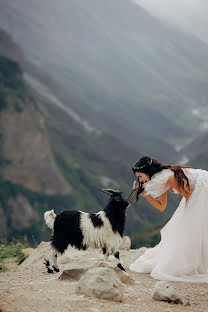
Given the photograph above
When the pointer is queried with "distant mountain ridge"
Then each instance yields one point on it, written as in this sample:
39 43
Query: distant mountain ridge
122 62
190 15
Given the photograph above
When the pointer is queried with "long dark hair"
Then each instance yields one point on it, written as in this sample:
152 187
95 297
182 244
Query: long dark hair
150 166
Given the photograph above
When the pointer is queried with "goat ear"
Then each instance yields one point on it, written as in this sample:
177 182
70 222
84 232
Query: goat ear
106 191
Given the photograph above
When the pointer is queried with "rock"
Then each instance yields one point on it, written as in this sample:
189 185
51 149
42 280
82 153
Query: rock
73 274
163 291
36 258
81 264
75 270
101 283
126 243
123 276
186 302
27 251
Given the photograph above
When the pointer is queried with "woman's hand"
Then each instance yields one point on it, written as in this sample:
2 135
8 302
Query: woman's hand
136 185
143 193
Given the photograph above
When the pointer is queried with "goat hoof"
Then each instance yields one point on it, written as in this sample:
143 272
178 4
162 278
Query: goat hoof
47 264
121 267
55 269
50 271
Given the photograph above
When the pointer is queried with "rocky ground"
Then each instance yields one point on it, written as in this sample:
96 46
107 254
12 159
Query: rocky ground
29 288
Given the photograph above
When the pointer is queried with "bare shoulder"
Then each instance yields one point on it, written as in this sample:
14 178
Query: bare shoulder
172 181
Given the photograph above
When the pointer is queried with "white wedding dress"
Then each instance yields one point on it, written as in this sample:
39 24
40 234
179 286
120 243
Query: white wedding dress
182 254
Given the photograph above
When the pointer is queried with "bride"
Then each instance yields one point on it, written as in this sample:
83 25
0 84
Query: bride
182 254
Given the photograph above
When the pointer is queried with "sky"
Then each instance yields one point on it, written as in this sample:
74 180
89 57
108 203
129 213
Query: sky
190 15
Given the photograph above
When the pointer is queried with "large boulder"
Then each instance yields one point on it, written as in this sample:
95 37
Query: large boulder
36 258
75 270
101 282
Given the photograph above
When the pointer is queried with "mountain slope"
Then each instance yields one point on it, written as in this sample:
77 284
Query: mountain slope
96 122
116 58
29 176
50 159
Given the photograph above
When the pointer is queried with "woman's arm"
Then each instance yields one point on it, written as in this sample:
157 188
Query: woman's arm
159 203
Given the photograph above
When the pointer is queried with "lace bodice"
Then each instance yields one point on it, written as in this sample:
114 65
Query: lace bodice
157 185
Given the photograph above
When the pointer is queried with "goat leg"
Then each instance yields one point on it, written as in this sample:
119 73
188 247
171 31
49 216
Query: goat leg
47 264
116 255
106 253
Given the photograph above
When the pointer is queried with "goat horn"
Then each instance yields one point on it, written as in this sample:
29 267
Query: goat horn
106 191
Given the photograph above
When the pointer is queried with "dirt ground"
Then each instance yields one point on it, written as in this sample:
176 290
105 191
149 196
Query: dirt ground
29 288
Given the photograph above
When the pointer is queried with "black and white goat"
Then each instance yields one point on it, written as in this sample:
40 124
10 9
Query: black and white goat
82 230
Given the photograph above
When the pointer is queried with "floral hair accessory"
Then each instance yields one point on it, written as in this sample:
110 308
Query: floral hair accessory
137 168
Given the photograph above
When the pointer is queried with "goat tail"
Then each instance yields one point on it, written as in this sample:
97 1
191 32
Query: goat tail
49 217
